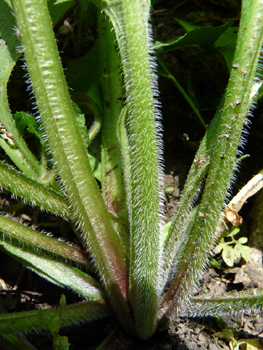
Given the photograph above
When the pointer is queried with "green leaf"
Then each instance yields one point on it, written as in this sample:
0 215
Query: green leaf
62 302
57 8
238 100
228 334
85 135
229 255
112 89
26 321
16 342
26 120
201 36
251 344
83 72
62 343
243 240
59 343
234 231
33 192
165 232
81 122
188 26
23 158
227 303
237 249
63 137
246 253
95 165
27 238
220 322
57 272
219 247
84 103
124 142
226 44
130 21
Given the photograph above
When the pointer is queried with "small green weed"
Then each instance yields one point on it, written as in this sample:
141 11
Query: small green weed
231 248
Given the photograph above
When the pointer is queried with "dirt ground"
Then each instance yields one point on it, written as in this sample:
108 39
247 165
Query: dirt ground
21 289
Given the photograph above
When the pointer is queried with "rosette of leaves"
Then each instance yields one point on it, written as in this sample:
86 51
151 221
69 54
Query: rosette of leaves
138 273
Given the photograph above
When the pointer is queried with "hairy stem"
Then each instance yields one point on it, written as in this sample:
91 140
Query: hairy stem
130 20
40 319
112 91
70 155
242 86
34 192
